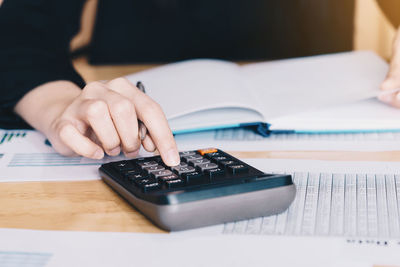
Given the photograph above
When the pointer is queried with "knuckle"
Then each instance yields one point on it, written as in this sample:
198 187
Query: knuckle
96 108
121 107
93 86
131 146
151 107
64 131
112 143
120 81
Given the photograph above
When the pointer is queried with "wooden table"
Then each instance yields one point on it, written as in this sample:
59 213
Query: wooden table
93 206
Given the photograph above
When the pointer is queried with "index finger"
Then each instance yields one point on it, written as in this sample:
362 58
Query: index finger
151 114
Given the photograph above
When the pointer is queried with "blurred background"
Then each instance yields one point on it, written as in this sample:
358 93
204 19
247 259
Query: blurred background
158 31
168 30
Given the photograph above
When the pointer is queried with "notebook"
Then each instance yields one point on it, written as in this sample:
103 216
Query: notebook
205 94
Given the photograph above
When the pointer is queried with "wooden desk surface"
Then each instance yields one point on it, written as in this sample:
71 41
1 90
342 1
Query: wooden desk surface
92 205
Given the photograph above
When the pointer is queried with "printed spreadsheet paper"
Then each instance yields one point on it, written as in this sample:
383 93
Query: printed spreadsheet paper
69 248
355 200
26 156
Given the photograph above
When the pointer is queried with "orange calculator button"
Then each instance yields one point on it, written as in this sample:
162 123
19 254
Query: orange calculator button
207 150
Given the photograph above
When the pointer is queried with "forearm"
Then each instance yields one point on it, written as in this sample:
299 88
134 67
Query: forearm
42 105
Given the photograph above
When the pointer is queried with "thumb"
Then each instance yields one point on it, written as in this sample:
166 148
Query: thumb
390 91
390 87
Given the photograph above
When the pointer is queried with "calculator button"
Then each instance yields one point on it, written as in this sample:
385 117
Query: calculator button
186 169
158 174
145 164
214 173
142 182
207 151
192 158
214 154
220 158
154 168
193 177
239 168
226 163
138 176
182 164
175 183
150 187
187 153
207 166
123 166
197 162
166 178
131 172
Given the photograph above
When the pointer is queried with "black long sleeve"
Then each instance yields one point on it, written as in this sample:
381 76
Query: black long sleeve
34 49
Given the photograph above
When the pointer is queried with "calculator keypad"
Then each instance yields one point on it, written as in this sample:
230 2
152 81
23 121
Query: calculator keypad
196 168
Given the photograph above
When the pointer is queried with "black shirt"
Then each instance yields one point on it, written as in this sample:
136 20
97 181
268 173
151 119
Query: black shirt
35 36
34 49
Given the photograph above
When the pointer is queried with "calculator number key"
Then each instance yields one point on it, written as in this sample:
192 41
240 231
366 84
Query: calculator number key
191 158
197 162
166 178
182 170
146 164
158 174
207 166
154 168
137 177
131 172
187 153
123 166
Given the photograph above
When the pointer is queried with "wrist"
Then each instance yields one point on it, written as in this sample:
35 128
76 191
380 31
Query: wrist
43 105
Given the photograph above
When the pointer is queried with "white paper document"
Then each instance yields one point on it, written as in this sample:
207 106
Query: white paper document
58 248
26 156
355 200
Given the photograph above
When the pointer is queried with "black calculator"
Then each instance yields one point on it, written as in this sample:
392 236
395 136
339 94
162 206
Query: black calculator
209 187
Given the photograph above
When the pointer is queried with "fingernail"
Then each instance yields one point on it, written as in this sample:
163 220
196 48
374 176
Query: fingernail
99 154
132 154
385 97
172 157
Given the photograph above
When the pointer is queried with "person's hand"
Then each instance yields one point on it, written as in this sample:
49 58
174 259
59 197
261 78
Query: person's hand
101 118
389 93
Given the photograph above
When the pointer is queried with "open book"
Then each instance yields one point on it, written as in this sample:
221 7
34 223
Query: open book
206 94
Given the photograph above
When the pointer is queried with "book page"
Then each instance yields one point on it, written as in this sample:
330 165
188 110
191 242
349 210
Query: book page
194 85
296 85
367 115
